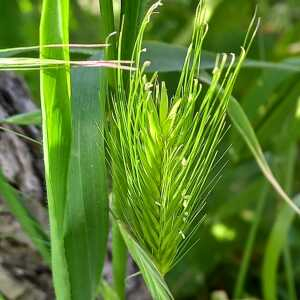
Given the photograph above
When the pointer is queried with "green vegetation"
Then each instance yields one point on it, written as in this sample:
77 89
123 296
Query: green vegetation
200 205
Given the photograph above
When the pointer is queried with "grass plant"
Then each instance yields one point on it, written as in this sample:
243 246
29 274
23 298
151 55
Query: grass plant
164 147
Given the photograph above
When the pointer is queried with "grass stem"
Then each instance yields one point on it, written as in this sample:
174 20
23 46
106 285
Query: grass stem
240 283
119 261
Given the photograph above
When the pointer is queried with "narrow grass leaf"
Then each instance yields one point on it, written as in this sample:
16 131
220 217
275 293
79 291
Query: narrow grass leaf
155 282
56 112
290 273
23 136
278 241
132 12
29 63
30 118
84 49
275 246
267 105
108 27
29 224
242 124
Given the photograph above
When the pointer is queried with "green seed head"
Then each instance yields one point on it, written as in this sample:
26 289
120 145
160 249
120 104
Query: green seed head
163 149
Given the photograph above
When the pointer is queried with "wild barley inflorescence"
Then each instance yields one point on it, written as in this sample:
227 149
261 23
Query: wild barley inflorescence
163 148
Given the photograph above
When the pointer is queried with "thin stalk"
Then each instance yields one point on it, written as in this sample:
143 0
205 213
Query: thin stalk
289 272
119 261
240 283
288 185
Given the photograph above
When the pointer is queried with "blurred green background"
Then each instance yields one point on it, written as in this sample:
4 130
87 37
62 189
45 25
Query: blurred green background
242 207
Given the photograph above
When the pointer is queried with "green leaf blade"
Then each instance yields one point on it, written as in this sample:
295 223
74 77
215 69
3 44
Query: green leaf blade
242 124
86 226
133 12
29 224
155 282
275 246
166 57
56 112
30 118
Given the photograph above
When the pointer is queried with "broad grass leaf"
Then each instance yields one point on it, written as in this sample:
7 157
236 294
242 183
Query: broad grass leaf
29 224
170 58
86 215
154 281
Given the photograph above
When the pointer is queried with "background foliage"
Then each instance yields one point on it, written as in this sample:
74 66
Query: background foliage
243 211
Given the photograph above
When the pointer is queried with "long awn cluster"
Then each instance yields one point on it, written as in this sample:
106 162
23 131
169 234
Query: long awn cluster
163 148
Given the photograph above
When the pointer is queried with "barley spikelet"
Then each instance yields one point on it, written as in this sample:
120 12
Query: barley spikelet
163 148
